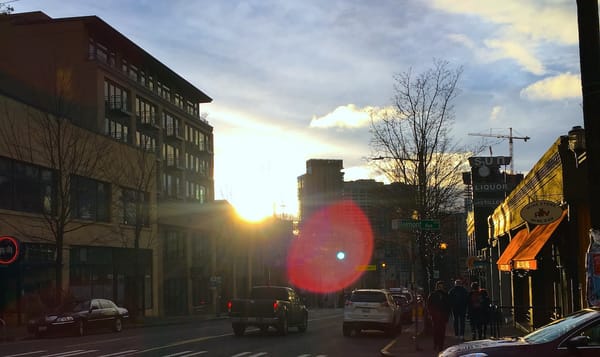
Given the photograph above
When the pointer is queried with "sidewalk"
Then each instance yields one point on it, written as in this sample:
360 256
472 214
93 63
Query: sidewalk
406 345
17 333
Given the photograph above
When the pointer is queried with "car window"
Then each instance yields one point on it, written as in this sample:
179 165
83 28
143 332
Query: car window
107 304
95 304
82 306
593 334
368 296
560 327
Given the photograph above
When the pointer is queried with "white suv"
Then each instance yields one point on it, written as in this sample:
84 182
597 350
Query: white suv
371 309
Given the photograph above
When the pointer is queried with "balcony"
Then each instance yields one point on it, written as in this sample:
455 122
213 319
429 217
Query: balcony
174 132
172 163
148 120
116 105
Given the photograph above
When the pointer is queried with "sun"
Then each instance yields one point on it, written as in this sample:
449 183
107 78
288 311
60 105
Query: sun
252 210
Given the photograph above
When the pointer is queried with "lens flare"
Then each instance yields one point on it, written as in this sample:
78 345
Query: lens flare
313 263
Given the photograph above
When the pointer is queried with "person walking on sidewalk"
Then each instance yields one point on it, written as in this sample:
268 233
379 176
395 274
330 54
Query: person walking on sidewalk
475 311
459 298
438 307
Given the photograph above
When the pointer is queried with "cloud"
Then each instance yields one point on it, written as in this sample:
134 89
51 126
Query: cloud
514 50
496 111
532 19
348 116
562 86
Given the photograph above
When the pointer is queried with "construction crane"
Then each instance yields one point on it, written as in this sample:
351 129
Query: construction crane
510 138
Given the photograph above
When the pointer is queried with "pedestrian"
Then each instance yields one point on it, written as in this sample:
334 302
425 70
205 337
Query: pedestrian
438 307
486 311
474 311
459 299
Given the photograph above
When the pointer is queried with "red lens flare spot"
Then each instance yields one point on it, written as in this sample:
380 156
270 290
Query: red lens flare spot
313 262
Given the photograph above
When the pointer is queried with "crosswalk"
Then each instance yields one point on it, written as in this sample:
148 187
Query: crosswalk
97 353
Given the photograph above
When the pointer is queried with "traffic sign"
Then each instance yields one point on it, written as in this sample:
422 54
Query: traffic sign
415 224
370 267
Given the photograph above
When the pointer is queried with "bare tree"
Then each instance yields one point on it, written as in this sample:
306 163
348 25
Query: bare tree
51 139
413 139
136 173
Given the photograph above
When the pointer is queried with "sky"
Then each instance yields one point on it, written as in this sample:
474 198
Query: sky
295 80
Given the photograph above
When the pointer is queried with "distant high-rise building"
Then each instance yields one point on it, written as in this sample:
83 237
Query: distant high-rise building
321 185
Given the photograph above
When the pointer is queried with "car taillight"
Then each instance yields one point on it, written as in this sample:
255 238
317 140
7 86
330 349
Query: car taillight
229 304
275 306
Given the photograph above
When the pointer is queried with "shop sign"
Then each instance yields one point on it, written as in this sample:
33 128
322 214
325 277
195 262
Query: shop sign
9 250
541 212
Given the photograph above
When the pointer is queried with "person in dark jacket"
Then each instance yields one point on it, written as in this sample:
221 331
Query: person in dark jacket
438 307
475 311
459 298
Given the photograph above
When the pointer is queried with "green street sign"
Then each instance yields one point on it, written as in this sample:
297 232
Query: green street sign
415 224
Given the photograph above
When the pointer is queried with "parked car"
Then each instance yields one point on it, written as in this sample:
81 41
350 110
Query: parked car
575 335
371 309
406 301
79 317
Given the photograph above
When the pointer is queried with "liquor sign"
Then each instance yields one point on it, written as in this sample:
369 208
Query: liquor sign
9 250
489 190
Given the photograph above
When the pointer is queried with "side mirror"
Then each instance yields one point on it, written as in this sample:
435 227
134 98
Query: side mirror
578 341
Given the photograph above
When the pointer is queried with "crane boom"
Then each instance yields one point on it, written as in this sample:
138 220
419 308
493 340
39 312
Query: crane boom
510 138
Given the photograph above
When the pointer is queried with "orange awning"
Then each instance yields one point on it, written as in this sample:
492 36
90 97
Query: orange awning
504 262
525 257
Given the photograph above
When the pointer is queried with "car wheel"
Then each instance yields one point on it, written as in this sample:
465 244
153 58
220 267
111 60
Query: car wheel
283 326
118 326
238 329
304 325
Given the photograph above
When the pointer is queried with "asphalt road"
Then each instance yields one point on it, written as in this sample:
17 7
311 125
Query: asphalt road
207 338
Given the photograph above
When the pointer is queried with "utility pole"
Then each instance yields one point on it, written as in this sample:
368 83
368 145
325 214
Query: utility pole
510 138
589 58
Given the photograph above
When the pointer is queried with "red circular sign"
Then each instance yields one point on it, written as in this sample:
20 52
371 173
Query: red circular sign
9 250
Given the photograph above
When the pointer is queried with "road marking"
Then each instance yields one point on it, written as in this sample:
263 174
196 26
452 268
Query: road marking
102 341
258 354
242 354
177 354
185 342
117 353
26 353
196 353
70 353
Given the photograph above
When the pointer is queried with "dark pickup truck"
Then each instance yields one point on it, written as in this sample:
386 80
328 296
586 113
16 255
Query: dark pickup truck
277 306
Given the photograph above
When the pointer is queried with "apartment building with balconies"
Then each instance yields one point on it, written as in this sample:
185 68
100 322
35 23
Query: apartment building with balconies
83 69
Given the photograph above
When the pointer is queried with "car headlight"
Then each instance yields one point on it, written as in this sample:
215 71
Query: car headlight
64 319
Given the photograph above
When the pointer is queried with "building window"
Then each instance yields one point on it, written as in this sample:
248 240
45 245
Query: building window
90 199
171 155
132 202
170 185
115 97
171 125
163 91
178 100
174 245
101 53
145 142
26 187
145 111
116 130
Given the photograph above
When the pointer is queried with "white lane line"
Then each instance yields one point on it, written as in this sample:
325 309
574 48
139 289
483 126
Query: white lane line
304 355
26 353
242 354
117 353
184 342
321 356
71 353
177 354
195 353
259 354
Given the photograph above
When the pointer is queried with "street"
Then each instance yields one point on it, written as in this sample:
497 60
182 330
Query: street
208 338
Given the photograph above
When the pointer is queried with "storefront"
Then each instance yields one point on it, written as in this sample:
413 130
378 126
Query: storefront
539 233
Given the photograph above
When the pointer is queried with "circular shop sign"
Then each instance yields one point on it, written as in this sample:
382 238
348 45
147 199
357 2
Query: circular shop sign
9 250
541 212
